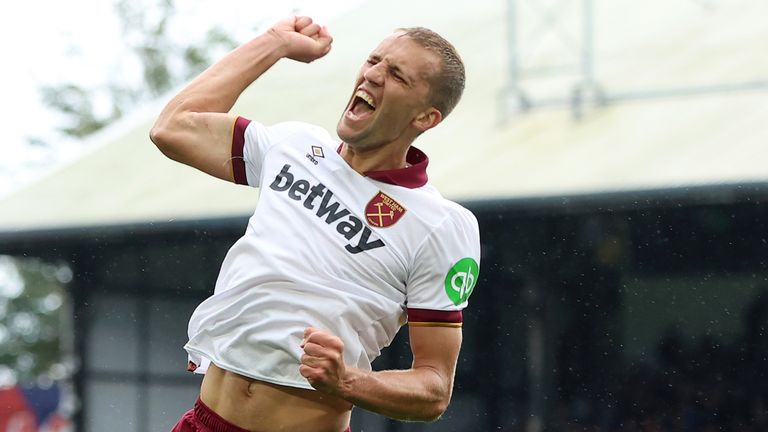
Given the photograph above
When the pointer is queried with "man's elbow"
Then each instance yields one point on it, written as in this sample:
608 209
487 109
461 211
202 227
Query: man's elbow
441 390
435 411
157 135
163 138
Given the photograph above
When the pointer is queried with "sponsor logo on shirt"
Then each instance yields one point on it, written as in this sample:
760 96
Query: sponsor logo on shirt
382 211
319 199
461 279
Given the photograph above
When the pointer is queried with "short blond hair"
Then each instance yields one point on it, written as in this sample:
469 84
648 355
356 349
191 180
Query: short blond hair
447 85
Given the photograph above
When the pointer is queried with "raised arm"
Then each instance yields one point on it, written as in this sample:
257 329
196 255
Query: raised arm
195 129
421 393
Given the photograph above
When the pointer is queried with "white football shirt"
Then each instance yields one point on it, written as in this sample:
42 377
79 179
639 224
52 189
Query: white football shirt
357 255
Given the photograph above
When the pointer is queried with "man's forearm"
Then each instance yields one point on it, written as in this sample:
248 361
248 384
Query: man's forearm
420 394
218 87
196 128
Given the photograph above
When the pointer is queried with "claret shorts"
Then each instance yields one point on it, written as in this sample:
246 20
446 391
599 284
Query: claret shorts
203 419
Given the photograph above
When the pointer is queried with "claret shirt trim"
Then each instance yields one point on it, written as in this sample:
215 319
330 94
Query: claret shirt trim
238 142
434 318
412 177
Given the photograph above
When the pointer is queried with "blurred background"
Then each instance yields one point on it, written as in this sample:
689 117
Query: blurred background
615 153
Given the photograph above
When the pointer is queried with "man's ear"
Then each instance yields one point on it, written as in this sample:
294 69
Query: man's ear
427 119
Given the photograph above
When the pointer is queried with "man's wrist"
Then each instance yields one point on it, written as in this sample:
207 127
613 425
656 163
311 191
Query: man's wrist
279 42
346 388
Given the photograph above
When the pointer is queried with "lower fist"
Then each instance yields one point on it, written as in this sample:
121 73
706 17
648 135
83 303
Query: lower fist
322 363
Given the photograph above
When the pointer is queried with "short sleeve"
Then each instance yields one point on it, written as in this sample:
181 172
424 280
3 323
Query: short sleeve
251 141
445 272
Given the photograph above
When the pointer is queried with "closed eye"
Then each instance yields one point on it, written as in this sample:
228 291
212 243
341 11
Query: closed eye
399 78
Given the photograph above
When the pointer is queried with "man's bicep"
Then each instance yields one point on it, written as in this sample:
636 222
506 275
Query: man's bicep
436 347
200 140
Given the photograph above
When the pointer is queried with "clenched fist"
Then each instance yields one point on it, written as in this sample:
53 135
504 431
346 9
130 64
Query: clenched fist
302 39
322 363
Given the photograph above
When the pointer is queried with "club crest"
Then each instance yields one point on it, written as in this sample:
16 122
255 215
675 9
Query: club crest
382 211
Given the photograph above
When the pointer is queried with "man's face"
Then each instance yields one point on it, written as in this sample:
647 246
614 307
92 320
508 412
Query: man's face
390 94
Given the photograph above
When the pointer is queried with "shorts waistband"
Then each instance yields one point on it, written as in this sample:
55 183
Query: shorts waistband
217 424
212 420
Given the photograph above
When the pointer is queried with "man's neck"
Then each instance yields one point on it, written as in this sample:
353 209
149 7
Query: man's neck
382 158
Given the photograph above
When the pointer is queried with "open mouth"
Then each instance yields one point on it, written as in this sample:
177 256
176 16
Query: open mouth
363 105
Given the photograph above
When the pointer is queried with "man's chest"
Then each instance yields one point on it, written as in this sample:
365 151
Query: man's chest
341 214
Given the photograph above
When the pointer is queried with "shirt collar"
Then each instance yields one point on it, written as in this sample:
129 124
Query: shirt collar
412 176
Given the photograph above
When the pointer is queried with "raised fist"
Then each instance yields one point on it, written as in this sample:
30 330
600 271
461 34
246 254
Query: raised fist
302 39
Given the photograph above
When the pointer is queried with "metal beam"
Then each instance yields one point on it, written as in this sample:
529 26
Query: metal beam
587 91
